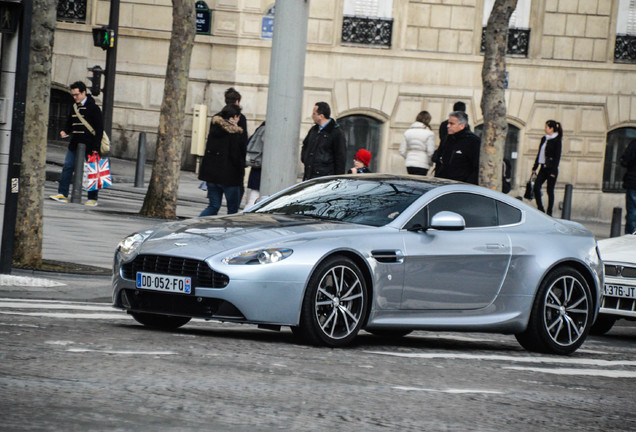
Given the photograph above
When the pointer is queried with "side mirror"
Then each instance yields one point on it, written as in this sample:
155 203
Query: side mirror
448 221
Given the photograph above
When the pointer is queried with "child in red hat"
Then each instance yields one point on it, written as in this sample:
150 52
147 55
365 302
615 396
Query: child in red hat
361 162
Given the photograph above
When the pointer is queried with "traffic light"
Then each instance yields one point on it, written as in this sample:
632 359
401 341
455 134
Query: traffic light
96 80
104 37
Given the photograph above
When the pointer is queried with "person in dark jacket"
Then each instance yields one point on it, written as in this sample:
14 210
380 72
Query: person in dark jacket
628 160
548 158
457 157
223 165
79 133
324 150
443 127
361 161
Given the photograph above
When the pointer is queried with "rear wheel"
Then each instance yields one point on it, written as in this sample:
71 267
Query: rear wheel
603 324
335 304
561 314
161 322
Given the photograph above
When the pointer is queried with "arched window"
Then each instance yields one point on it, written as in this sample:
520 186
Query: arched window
510 148
60 106
362 132
613 172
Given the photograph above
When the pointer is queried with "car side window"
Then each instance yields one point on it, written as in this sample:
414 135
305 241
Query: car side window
478 211
508 214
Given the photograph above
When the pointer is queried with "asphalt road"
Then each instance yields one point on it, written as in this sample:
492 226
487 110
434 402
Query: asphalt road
83 366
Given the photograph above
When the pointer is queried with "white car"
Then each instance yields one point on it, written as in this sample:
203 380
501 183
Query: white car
619 298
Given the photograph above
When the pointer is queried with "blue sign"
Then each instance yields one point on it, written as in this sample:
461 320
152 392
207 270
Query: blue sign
267 28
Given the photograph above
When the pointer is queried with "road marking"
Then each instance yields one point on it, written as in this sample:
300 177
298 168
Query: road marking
27 281
534 359
86 350
60 309
17 304
580 372
450 391
65 315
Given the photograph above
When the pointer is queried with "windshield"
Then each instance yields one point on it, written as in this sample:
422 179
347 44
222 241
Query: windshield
374 202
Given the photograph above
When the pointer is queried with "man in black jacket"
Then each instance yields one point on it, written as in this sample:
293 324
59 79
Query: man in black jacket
457 157
628 160
325 147
79 133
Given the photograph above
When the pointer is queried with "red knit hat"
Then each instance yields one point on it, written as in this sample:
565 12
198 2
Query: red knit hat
363 156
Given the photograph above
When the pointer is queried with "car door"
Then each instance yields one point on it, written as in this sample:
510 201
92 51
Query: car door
455 269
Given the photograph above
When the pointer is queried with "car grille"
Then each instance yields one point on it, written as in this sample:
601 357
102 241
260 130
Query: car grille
200 272
622 275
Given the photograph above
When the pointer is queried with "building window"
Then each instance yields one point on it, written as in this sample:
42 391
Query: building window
625 48
613 172
71 10
518 28
367 22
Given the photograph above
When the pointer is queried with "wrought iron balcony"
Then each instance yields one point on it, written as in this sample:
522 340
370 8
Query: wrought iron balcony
518 41
367 31
625 49
71 10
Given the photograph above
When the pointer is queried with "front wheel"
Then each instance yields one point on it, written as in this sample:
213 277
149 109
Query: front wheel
561 314
335 303
161 322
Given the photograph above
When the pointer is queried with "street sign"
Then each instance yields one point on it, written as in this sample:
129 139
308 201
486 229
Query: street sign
267 24
203 17
9 16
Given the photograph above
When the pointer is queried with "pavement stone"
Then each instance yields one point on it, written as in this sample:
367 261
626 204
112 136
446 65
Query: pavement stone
86 237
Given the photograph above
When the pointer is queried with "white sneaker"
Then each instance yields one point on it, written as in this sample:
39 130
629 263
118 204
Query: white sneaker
59 197
91 203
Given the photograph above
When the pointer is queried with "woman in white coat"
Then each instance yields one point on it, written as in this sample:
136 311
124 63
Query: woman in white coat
418 145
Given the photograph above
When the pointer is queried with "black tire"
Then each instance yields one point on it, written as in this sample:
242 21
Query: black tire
335 304
390 333
561 314
603 324
161 322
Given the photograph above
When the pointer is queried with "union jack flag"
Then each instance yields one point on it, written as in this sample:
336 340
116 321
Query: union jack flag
96 173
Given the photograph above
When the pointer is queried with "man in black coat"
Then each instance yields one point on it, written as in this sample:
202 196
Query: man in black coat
628 160
443 127
457 157
324 148
79 133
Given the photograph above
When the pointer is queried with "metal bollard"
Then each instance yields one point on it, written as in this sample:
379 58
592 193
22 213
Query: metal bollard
566 213
80 157
141 160
615 230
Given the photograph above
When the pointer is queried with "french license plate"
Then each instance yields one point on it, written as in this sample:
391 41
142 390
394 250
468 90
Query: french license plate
612 290
176 284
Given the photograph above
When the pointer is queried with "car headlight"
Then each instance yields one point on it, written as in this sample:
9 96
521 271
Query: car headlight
129 246
259 256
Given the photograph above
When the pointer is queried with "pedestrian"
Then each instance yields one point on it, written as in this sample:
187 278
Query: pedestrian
223 165
457 157
254 159
548 158
628 160
443 128
361 161
418 145
324 149
87 109
233 97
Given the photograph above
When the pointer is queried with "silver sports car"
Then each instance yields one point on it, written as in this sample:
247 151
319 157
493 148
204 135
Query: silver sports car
387 254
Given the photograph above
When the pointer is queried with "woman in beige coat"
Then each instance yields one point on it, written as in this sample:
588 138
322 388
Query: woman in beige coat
418 145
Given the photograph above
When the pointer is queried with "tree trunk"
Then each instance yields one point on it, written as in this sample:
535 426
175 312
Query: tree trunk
493 104
161 197
28 233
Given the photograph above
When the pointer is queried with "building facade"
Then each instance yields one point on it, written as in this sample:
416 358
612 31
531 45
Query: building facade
378 63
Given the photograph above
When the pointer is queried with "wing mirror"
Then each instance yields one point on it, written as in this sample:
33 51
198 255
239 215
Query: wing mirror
448 221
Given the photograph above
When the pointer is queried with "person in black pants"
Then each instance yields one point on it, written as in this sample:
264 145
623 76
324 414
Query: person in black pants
548 159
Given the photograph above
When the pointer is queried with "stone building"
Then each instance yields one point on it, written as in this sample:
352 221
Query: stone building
378 63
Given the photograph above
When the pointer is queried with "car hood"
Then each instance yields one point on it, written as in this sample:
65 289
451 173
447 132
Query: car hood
618 249
201 238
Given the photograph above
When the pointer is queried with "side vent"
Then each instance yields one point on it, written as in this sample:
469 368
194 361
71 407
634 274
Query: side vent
388 256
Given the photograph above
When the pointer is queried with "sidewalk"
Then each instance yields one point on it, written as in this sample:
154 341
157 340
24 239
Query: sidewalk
87 236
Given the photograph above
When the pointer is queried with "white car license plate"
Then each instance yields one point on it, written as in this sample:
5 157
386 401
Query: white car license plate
612 290
176 284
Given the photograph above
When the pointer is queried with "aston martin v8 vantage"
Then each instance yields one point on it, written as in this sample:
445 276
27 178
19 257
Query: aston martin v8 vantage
388 254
